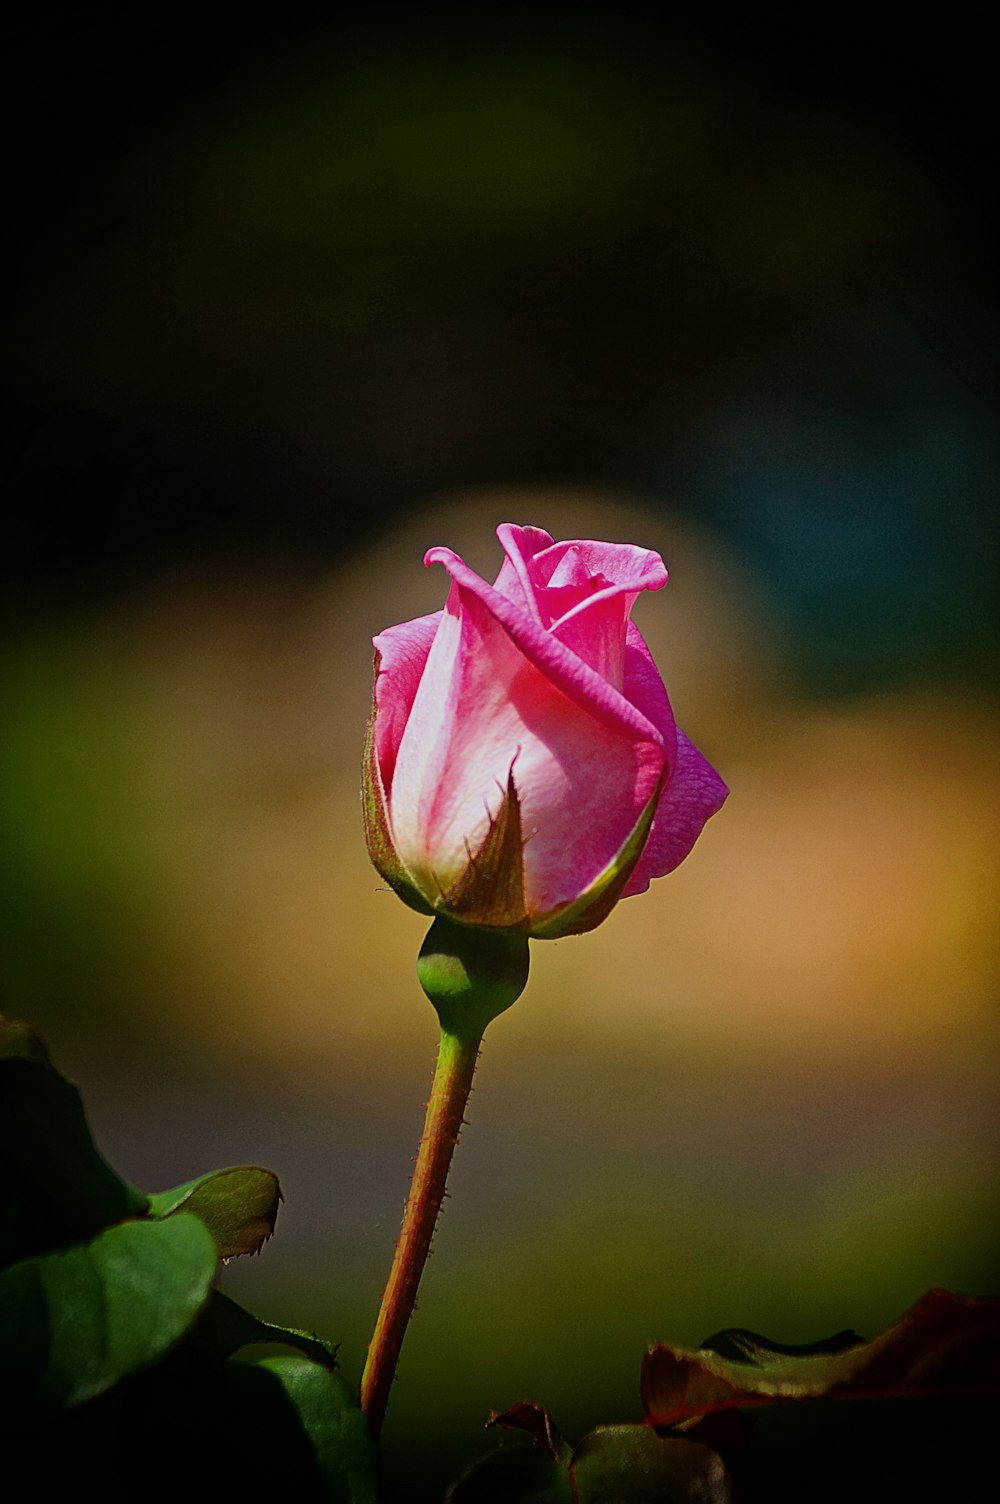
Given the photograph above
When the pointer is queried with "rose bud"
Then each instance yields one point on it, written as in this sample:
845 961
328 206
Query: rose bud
523 768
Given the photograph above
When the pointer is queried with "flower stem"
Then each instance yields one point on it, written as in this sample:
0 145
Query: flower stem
456 1064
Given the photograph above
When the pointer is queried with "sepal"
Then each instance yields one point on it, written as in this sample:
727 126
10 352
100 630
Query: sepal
378 828
490 892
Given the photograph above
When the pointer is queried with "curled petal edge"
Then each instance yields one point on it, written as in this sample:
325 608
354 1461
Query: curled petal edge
557 663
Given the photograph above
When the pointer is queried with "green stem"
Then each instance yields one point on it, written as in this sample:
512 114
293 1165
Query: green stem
456 1064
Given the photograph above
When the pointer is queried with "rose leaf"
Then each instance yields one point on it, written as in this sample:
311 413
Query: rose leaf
73 1324
55 1187
225 1327
624 1464
239 1207
945 1344
328 1413
631 1464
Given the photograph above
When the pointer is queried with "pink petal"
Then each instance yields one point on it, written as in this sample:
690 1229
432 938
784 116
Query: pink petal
644 688
497 691
694 793
401 654
582 559
516 578
694 790
582 591
561 667
595 631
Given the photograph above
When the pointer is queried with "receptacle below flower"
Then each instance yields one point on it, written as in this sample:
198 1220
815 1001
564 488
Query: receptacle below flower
523 769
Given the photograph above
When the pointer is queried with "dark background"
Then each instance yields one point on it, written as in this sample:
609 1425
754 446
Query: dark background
288 300
270 279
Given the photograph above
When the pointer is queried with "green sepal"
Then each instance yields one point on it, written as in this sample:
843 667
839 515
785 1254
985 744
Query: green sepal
471 975
595 903
239 1206
490 891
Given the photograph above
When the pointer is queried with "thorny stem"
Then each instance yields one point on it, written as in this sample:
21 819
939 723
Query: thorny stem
456 1064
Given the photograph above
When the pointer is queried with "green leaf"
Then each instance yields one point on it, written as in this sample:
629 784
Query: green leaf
281 1427
626 1464
74 1324
944 1352
239 1207
196 1427
225 1327
749 1347
945 1344
18 1041
513 1473
339 1434
630 1464
55 1187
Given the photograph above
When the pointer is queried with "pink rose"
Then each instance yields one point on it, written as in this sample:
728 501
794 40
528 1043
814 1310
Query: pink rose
524 771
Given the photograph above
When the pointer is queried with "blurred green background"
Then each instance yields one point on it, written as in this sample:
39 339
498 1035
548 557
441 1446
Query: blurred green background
288 301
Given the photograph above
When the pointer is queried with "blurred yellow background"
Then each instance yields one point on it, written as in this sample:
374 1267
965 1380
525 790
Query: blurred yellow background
329 305
762 1094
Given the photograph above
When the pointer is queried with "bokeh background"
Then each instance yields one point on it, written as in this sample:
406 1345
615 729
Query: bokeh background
288 301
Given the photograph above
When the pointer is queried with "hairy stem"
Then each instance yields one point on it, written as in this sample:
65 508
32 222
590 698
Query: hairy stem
456 1064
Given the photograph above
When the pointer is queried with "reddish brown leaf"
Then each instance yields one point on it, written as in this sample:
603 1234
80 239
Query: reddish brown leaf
945 1344
536 1420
